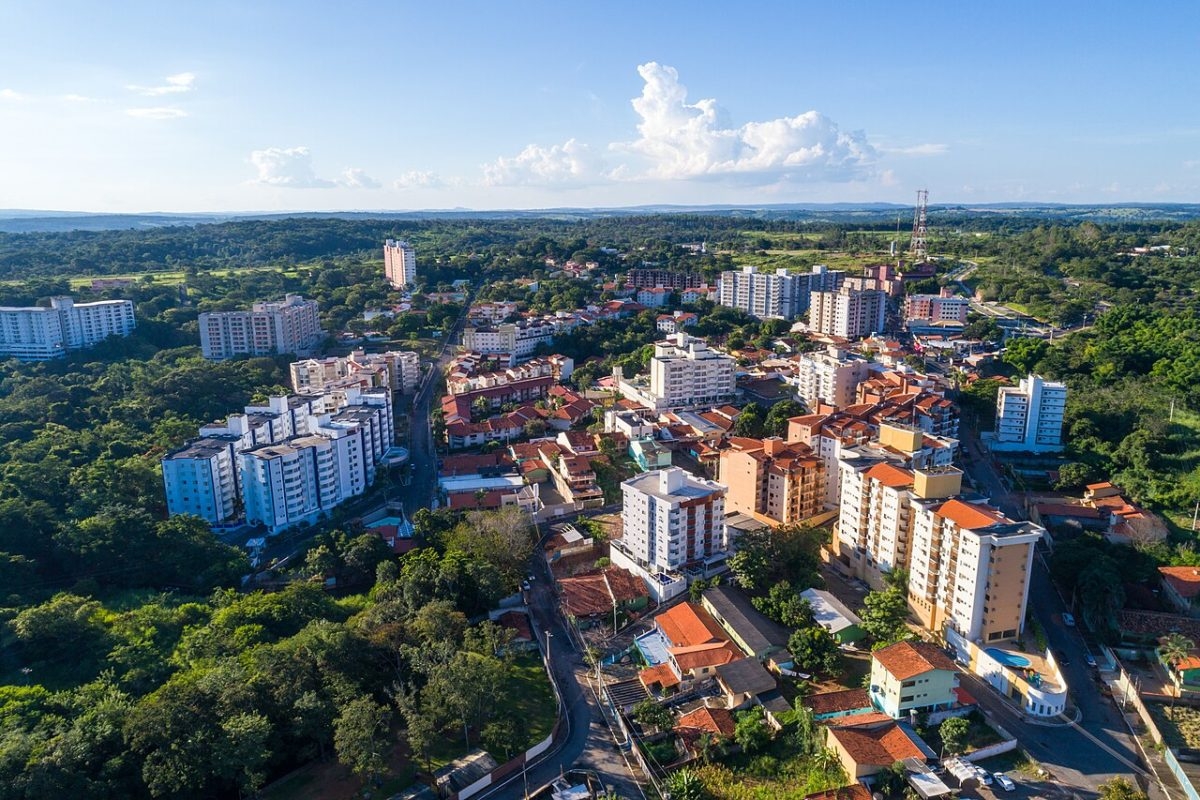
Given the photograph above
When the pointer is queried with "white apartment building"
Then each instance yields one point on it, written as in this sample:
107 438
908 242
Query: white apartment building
1029 417
684 373
774 295
201 478
290 325
398 370
672 521
518 339
36 334
831 376
399 263
970 569
852 311
936 309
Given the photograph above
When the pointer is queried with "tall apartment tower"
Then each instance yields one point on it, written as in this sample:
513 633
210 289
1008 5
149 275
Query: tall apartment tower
290 325
671 520
852 311
769 477
1029 417
970 569
774 295
201 478
36 334
685 373
399 263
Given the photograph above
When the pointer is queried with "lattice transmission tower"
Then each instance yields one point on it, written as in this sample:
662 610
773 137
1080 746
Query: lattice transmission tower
919 247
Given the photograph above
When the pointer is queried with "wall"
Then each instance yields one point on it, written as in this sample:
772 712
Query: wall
1177 769
1007 746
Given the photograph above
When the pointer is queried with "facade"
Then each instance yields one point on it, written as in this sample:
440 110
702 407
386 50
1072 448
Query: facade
650 278
1029 417
932 310
36 334
398 370
399 263
290 325
774 295
684 373
830 377
301 479
1181 587
852 311
769 477
912 677
518 339
671 520
201 478
970 569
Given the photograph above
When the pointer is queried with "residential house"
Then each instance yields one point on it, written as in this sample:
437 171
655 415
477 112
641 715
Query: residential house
832 615
912 677
1181 587
600 596
743 681
868 749
833 705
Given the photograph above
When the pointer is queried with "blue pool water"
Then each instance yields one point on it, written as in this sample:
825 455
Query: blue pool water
1008 659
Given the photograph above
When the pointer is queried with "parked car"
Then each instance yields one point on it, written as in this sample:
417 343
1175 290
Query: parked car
1068 619
1005 782
1091 660
984 776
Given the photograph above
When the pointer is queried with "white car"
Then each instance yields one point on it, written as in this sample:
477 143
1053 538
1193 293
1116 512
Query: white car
984 776
1005 782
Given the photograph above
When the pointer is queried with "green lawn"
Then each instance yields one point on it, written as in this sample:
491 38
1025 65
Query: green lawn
161 277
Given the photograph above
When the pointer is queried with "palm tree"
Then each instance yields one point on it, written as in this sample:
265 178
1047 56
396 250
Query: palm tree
685 785
1172 650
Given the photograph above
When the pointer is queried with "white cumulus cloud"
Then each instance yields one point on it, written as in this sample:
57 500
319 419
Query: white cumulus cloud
159 112
569 163
680 140
355 178
289 167
11 94
418 179
173 84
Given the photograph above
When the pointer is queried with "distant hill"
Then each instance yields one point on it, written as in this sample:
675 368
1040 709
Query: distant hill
29 221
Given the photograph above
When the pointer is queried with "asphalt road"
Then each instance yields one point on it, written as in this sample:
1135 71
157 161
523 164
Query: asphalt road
1100 745
588 743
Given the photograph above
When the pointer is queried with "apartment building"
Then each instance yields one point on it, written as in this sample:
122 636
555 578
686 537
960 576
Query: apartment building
650 278
201 478
851 311
399 263
684 373
770 478
775 295
34 333
290 325
672 521
1029 417
831 376
398 370
970 568
518 339
936 310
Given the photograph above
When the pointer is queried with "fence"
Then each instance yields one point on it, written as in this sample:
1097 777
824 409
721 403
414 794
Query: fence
1177 769
1007 746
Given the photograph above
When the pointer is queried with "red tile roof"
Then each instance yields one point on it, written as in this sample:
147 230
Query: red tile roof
834 702
714 720
519 622
584 595
712 654
907 659
855 791
688 624
662 674
1184 580
969 516
891 476
881 746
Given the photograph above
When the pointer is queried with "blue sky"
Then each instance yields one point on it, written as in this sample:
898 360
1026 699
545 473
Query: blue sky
234 106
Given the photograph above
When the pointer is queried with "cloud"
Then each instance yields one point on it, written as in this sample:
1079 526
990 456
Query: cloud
181 82
11 94
289 167
354 178
928 149
158 112
571 163
418 179
78 98
682 141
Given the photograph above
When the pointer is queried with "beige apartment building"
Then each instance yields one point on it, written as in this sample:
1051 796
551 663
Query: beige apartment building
772 479
970 569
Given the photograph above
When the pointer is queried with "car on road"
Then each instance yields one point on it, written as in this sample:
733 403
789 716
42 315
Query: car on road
1068 619
1006 783
1061 658
1091 660
525 585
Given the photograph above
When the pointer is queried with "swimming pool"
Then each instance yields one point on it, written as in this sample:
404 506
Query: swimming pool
1008 659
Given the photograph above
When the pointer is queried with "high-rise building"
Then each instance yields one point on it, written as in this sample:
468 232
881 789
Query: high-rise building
830 377
399 263
769 477
644 278
934 310
852 311
201 478
684 373
672 520
287 326
36 334
1029 417
516 339
970 569
775 295
398 370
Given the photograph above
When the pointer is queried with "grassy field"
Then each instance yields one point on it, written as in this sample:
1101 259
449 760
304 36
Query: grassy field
161 278
1180 727
803 260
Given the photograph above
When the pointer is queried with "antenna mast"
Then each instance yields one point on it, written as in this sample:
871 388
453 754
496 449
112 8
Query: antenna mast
919 247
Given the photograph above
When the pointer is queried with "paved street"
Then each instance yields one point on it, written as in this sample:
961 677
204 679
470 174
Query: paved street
1100 746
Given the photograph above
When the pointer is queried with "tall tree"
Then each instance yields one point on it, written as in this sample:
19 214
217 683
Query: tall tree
359 736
